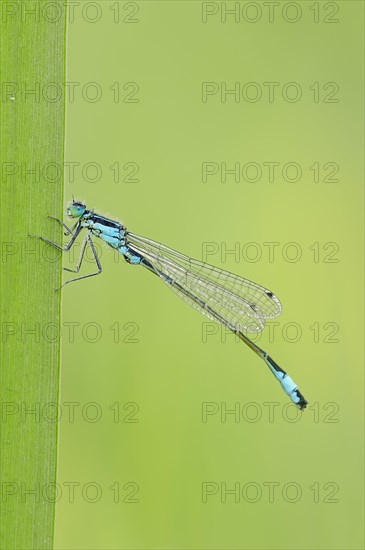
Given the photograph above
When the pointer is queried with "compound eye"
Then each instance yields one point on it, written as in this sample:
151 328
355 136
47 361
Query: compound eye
76 209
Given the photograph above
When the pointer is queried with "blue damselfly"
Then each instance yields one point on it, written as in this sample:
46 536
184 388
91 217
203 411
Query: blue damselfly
239 304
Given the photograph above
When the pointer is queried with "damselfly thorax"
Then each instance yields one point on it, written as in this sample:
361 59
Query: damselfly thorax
110 231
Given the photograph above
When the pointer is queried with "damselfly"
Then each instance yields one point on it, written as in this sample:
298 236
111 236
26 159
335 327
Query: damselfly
237 303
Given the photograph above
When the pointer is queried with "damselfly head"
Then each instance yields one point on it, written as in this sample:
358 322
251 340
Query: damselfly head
76 209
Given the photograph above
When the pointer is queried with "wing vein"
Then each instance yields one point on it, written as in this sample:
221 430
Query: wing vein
237 302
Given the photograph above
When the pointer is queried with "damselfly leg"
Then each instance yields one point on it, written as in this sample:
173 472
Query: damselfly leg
75 231
87 241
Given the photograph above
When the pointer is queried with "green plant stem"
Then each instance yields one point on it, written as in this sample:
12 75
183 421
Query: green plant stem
31 149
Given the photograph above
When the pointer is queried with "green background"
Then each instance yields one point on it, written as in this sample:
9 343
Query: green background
166 376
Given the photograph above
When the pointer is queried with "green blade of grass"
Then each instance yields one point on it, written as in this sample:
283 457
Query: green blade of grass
32 142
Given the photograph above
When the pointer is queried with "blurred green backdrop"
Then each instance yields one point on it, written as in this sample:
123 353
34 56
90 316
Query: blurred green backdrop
140 465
